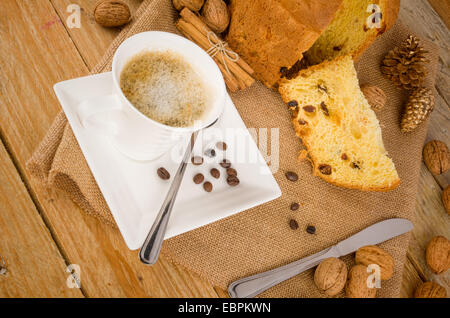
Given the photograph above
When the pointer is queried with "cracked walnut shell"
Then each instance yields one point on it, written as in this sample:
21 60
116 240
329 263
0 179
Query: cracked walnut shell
375 96
356 286
370 254
436 157
430 290
438 254
330 276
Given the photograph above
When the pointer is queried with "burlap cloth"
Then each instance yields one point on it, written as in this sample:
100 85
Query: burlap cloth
260 239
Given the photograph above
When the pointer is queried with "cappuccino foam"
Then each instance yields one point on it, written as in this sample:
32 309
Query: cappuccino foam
164 87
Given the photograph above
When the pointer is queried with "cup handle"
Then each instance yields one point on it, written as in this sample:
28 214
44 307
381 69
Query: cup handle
95 114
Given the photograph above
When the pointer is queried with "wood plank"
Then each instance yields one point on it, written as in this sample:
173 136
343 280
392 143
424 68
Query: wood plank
430 219
35 55
91 39
442 7
35 266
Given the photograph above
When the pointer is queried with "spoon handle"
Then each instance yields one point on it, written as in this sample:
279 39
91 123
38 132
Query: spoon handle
152 245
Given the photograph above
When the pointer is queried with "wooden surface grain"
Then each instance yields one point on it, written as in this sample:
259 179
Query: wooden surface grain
38 50
35 267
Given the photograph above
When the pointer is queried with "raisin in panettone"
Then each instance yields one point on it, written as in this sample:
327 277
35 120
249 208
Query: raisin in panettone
339 129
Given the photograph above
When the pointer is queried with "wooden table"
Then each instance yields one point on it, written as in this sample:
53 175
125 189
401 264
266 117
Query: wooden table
42 231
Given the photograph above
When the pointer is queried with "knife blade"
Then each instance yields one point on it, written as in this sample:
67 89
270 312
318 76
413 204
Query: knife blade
372 235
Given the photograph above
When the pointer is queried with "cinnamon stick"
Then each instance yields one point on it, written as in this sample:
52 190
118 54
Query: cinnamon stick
203 42
196 21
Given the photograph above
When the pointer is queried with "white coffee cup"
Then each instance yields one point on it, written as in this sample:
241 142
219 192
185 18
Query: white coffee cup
132 133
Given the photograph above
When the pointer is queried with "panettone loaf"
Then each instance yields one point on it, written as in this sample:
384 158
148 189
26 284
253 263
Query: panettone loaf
339 129
271 35
355 26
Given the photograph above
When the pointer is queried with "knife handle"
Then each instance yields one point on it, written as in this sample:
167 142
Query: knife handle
253 285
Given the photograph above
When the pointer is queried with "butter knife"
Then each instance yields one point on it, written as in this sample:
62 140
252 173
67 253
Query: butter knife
372 235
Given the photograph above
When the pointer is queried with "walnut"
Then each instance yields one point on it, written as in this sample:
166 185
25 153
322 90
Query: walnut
436 157
370 254
438 254
446 199
112 13
375 96
216 16
193 5
356 286
330 276
430 290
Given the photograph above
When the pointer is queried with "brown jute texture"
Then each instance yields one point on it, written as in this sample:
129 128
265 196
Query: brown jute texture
260 239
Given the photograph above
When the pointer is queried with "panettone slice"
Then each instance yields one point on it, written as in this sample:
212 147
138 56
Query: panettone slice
339 129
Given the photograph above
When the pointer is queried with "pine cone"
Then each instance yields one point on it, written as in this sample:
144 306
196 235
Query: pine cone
419 106
404 65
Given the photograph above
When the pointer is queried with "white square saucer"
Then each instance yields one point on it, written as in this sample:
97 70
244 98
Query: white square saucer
133 190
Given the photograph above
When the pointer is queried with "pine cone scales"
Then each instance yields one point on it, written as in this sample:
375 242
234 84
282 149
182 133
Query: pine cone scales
419 106
404 65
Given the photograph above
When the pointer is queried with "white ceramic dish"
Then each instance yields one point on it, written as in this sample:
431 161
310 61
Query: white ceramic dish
134 192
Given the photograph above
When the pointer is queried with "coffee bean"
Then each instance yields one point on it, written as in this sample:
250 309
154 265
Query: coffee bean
210 153
221 145
293 103
232 181
231 172
311 229
291 176
207 186
309 108
294 206
302 122
344 156
324 108
163 173
325 169
197 160
198 178
225 163
215 173
293 224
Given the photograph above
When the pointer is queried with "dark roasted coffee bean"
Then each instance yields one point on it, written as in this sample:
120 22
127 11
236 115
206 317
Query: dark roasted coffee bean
293 103
225 163
291 176
221 145
215 173
232 181
302 122
295 206
207 186
197 160
344 156
293 224
163 173
324 108
325 169
198 178
210 153
311 229
309 108
231 172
